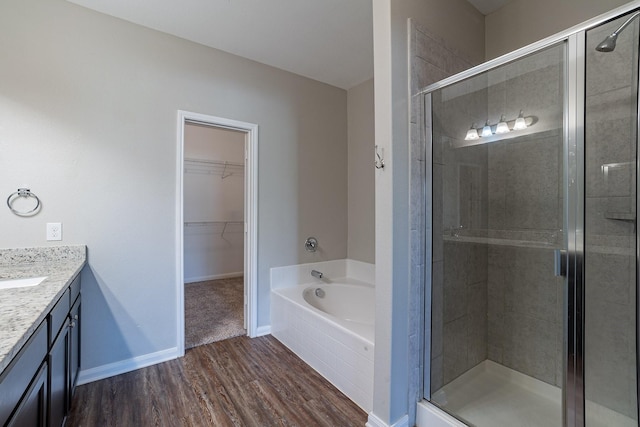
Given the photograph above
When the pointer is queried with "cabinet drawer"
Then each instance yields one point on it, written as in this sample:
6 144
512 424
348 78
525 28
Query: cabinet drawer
75 289
15 380
58 316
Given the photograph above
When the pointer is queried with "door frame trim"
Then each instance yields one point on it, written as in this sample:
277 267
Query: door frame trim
573 221
250 218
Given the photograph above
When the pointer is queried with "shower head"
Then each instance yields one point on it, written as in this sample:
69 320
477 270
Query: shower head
609 44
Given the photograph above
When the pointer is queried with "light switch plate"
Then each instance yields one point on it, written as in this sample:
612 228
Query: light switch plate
54 231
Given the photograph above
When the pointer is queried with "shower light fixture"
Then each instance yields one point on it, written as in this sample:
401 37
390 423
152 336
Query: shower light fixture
520 122
472 133
486 130
502 126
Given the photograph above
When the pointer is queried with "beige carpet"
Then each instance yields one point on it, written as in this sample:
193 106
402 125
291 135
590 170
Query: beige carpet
213 311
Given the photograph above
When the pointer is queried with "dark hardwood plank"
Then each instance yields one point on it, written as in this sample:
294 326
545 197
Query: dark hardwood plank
236 382
275 402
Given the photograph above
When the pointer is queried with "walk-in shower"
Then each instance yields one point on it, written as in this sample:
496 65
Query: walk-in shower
533 310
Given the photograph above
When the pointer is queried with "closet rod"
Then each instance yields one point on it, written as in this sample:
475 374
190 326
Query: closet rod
215 162
205 223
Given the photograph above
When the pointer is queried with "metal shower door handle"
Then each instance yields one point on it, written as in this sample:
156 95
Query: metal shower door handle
560 262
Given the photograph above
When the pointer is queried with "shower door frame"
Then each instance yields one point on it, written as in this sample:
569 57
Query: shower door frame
574 39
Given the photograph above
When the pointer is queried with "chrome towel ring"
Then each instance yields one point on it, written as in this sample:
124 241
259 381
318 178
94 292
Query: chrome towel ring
23 192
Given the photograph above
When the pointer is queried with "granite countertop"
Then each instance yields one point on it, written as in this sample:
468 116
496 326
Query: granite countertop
23 309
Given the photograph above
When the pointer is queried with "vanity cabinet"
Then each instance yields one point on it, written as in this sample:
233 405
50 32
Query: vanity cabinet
64 353
32 410
20 380
58 358
37 386
74 356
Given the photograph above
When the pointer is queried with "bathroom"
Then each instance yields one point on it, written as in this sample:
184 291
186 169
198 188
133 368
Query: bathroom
111 165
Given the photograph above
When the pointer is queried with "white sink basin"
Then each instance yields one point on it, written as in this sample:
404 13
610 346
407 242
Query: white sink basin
21 283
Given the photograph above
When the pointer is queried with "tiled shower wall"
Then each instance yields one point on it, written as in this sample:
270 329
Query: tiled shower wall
525 205
494 294
610 212
431 61
461 270
459 281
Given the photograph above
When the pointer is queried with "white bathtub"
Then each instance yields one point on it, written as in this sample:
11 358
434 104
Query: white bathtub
348 303
334 333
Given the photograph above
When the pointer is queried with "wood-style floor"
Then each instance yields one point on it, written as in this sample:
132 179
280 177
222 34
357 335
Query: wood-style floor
236 382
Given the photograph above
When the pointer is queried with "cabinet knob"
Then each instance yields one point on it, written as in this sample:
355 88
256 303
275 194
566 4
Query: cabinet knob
75 317
72 324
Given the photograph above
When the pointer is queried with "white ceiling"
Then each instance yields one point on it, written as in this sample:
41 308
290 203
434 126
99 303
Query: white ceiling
488 6
326 40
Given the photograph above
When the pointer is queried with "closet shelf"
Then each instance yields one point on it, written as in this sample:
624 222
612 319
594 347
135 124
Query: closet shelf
217 227
208 223
213 167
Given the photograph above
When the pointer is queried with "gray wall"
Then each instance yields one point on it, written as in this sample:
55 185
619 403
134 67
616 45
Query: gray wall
88 112
522 22
361 199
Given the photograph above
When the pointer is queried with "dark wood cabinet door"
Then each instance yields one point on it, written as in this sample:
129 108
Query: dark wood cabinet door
59 378
32 411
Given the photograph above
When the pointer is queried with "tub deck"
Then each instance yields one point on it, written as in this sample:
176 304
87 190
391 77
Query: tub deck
362 330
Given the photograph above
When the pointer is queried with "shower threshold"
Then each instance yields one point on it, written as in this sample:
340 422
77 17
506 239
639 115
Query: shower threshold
493 395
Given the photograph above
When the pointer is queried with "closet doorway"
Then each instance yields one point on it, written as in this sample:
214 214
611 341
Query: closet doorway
217 229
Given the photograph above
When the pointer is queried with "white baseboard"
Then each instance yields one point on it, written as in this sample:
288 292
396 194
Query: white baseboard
116 368
375 421
262 330
214 277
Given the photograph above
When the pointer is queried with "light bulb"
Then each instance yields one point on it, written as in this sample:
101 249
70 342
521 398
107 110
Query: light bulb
502 127
520 122
486 130
472 133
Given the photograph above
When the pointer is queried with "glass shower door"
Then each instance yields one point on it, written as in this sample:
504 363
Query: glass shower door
498 218
611 127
